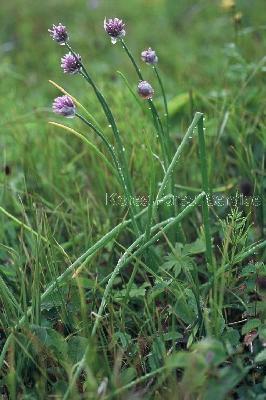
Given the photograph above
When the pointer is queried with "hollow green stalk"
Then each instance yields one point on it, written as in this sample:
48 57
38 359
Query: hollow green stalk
205 186
159 128
164 98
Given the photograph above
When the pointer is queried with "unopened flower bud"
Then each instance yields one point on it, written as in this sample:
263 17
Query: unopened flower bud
149 56
145 90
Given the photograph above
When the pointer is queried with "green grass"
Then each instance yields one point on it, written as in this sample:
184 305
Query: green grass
154 301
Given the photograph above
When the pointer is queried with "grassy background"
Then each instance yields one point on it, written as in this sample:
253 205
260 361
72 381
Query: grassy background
50 181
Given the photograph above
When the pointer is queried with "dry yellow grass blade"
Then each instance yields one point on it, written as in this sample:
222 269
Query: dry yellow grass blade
78 104
85 140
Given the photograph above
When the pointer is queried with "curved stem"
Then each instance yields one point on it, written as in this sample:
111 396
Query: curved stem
101 135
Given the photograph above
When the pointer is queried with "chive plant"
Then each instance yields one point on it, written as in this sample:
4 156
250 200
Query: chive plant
66 106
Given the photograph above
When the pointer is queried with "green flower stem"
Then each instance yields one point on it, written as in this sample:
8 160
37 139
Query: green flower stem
138 71
205 186
164 99
158 127
116 134
168 175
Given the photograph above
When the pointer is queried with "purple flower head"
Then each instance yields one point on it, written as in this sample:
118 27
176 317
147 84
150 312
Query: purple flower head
149 56
115 28
65 106
59 33
71 64
145 90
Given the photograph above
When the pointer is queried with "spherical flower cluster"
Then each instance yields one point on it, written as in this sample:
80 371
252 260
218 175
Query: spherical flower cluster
71 64
115 29
145 90
64 106
59 33
149 56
